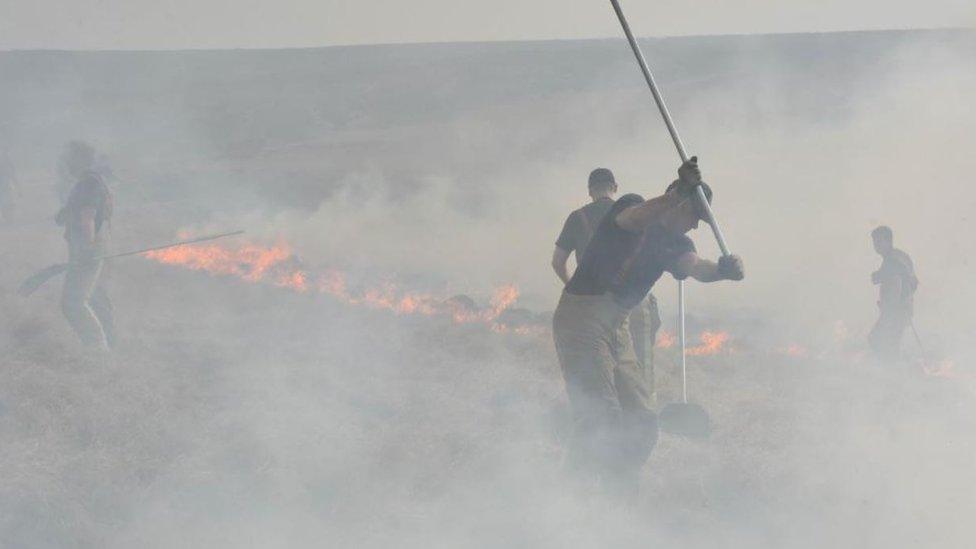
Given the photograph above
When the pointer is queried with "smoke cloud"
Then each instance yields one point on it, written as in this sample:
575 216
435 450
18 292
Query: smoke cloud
237 414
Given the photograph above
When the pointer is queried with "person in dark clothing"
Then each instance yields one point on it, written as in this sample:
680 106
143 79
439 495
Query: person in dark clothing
615 427
645 320
581 223
896 301
86 216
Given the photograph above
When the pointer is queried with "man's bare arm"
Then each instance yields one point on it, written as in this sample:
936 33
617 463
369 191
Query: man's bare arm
637 218
700 269
704 270
559 259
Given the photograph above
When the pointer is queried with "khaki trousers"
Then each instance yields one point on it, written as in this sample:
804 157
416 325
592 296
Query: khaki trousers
614 426
644 322
86 305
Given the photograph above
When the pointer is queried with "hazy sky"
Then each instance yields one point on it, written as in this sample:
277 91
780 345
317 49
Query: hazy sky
176 24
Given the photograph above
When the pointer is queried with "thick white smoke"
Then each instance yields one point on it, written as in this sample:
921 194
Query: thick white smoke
236 414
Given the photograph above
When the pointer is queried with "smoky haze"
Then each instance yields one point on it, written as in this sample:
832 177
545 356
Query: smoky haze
246 415
217 24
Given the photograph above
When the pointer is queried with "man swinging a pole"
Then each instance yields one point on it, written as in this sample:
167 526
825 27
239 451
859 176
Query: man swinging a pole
638 240
615 428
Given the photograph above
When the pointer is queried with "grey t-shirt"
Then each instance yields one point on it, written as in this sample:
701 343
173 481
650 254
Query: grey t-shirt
580 226
89 192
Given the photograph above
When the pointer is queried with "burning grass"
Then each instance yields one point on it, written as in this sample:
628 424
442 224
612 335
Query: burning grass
278 266
235 412
239 414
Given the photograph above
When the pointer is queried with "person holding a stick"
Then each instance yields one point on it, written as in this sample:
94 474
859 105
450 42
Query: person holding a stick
86 216
897 284
615 427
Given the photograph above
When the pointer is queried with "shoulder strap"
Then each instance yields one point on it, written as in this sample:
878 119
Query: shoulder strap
628 263
587 225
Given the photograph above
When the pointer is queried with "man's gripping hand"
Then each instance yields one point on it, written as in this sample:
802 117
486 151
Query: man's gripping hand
690 175
730 267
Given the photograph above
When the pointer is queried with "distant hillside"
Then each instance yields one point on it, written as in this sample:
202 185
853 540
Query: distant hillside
291 94
287 124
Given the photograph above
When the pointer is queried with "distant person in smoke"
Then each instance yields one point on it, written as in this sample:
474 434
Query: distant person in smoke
896 283
86 217
99 165
615 427
644 320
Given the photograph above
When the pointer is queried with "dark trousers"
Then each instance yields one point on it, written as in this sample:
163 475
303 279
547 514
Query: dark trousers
885 337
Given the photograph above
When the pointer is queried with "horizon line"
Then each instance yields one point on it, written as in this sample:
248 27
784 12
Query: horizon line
486 42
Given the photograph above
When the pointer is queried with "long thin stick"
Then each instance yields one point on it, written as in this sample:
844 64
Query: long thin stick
658 98
666 115
38 279
921 348
681 338
172 245
918 340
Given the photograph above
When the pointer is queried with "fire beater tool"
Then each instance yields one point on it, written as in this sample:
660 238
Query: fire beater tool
926 363
38 279
683 418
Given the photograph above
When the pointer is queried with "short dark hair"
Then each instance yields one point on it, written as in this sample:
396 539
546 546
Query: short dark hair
601 178
883 232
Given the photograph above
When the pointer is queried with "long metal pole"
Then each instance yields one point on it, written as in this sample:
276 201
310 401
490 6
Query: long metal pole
39 278
661 106
681 338
172 245
666 115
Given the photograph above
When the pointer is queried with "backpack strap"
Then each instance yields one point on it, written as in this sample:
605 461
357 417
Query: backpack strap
587 224
628 263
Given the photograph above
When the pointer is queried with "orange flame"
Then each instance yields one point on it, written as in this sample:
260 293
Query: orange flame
712 344
503 299
665 339
295 280
249 262
333 282
275 265
796 351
